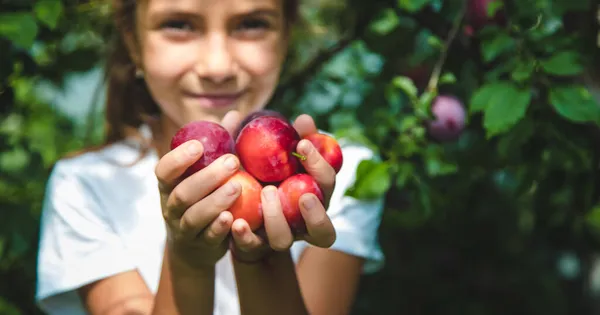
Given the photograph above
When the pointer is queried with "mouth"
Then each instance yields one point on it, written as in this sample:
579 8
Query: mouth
215 100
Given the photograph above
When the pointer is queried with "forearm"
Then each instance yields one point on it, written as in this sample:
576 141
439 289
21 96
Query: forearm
269 287
182 292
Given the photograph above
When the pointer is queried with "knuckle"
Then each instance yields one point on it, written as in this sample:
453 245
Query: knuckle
177 199
281 244
211 237
186 224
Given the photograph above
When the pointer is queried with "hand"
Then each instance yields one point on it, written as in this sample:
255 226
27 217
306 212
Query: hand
277 236
195 208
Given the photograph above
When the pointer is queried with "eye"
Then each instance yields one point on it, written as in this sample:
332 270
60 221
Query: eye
253 24
177 25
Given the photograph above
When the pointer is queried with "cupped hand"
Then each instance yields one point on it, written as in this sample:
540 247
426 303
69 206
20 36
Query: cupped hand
248 246
195 207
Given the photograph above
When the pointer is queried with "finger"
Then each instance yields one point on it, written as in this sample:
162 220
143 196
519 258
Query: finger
197 217
199 185
317 167
243 236
231 121
217 231
320 230
305 125
173 164
277 229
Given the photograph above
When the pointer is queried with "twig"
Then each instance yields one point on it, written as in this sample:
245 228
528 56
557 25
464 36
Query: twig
437 70
322 57
315 64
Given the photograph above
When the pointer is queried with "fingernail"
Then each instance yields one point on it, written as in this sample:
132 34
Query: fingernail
306 147
194 148
231 163
269 193
232 188
309 203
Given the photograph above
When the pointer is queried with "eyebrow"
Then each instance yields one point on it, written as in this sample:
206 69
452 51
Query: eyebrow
186 12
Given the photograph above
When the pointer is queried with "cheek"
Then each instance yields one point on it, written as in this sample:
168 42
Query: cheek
261 61
165 61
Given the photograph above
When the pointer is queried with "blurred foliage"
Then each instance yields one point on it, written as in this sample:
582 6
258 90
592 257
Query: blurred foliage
506 219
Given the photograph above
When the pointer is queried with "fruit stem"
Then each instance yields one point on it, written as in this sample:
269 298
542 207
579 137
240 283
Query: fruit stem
300 156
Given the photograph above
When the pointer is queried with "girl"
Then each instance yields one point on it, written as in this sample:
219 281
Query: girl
113 243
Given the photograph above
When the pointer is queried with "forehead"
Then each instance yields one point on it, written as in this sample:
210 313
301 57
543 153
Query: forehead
209 6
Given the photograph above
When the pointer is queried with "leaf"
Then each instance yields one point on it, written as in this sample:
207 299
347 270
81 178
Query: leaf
412 5
405 84
575 103
385 23
507 107
483 96
405 172
447 78
373 180
564 63
48 12
19 27
493 7
592 218
435 163
523 71
14 161
494 47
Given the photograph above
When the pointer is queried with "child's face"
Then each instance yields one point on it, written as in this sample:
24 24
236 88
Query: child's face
203 58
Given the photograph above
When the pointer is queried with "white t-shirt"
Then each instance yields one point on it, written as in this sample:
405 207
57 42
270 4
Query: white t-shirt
101 218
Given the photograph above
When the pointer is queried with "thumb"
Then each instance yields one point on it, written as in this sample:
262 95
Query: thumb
305 125
231 121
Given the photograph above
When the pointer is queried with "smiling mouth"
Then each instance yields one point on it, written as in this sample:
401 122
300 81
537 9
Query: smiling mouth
216 100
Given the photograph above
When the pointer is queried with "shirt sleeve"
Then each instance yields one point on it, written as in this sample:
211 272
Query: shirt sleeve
356 221
78 244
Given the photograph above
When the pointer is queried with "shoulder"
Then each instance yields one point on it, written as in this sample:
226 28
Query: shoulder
103 165
92 183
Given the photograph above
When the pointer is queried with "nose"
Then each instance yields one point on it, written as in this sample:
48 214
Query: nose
216 60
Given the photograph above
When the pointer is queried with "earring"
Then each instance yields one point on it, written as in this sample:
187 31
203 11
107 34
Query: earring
139 73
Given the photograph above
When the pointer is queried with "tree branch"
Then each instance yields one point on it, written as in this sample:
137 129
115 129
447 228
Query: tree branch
313 66
437 70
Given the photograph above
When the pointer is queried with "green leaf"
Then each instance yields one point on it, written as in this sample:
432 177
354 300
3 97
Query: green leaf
48 12
507 107
481 99
373 180
564 63
493 7
405 173
385 23
575 103
496 46
523 71
447 78
19 27
14 161
406 84
435 163
592 218
412 5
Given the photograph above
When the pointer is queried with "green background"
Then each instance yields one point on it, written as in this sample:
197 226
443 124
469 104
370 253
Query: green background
505 220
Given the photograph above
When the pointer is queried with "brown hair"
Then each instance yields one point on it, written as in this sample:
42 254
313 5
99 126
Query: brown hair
128 101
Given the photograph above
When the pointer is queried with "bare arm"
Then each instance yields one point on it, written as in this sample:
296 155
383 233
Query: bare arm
324 282
269 286
329 280
180 292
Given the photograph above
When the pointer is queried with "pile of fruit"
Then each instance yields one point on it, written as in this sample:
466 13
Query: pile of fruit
265 143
